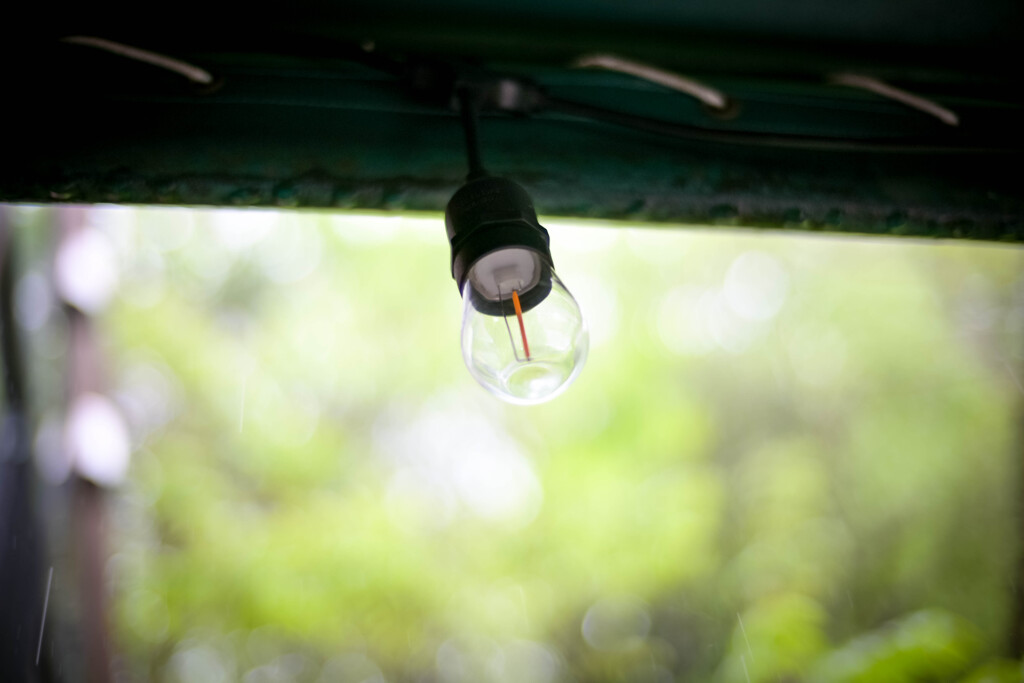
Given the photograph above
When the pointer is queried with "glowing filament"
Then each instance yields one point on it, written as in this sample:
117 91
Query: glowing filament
522 328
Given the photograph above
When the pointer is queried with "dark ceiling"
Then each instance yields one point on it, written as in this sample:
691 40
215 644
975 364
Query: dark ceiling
320 104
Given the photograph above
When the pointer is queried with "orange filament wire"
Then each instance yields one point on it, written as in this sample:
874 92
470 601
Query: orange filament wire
522 328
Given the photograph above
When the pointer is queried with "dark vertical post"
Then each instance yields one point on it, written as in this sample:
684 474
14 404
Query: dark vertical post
88 501
22 645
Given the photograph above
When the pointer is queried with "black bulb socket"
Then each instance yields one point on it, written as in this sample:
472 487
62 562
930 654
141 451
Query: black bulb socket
488 214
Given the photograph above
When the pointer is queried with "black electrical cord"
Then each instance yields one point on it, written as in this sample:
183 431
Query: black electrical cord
468 109
472 90
521 97
776 140
435 80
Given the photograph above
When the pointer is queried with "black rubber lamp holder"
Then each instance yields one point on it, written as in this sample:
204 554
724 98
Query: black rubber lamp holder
488 214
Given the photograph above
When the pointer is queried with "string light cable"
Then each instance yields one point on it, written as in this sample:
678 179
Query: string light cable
463 87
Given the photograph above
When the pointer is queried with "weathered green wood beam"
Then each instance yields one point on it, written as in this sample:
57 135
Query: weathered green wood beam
296 124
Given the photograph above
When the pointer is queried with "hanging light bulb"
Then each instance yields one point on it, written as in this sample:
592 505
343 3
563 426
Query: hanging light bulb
523 336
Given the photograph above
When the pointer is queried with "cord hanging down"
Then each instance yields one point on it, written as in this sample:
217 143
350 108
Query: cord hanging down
469 110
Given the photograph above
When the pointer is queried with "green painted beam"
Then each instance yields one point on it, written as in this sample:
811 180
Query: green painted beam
294 123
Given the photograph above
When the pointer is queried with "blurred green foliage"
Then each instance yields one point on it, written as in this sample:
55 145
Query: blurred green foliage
788 458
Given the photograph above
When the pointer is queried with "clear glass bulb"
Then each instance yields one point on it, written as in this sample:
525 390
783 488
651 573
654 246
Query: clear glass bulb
523 336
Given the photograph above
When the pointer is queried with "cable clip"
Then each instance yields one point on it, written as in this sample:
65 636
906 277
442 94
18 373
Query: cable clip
189 71
880 87
712 97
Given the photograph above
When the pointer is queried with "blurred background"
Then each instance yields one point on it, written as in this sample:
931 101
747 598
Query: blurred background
258 456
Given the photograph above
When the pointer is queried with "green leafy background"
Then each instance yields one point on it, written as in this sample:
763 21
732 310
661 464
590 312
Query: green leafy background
789 458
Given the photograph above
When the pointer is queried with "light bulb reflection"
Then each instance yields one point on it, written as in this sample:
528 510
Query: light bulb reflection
523 336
